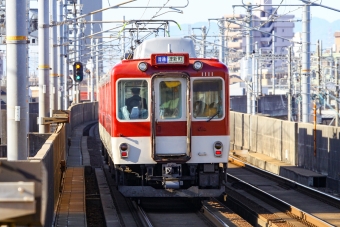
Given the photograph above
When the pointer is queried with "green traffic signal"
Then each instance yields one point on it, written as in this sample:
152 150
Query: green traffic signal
78 73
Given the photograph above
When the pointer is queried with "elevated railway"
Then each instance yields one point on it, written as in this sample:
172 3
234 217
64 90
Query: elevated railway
49 170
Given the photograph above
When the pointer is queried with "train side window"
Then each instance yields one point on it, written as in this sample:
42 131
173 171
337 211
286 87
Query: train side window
207 99
132 99
170 99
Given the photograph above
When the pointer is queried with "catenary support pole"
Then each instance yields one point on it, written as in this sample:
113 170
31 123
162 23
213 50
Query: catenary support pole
60 54
53 59
260 72
336 78
305 76
249 52
222 31
66 59
92 64
273 61
76 85
97 70
318 74
123 42
44 67
17 96
203 46
289 82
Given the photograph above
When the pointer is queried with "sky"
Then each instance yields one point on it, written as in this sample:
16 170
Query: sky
202 10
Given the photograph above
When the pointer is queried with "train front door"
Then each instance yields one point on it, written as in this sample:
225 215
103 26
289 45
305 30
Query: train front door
171 117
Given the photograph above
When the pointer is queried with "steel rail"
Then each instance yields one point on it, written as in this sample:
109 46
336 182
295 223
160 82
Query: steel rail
283 206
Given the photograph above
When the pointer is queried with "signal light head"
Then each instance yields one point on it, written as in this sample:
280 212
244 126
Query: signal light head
78 73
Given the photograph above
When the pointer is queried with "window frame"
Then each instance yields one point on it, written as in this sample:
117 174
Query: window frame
148 100
192 96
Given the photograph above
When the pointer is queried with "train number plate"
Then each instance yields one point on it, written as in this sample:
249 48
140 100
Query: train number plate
170 59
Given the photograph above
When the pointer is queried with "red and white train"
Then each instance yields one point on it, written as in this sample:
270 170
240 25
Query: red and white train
164 121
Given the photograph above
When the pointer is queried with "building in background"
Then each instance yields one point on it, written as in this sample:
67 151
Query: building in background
336 47
263 19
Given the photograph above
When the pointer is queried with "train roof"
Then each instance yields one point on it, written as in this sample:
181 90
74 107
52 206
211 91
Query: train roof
161 45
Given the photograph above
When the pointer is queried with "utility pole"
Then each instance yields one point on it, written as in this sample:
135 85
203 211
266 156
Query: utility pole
17 97
305 76
44 67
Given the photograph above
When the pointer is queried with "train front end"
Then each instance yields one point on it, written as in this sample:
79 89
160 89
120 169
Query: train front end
174 142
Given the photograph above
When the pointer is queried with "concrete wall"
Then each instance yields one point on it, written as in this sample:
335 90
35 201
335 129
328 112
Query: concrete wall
48 151
326 158
290 142
3 151
273 105
3 133
83 112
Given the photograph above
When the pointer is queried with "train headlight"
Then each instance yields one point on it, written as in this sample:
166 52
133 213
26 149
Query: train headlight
218 149
142 66
198 65
124 150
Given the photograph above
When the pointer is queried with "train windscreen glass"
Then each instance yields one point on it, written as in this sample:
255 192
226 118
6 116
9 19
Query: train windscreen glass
132 99
170 99
207 99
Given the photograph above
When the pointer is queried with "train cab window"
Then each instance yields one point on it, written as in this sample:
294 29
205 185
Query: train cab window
132 99
207 99
170 99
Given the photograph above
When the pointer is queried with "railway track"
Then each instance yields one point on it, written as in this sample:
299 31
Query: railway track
179 212
267 198
174 212
261 198
182 212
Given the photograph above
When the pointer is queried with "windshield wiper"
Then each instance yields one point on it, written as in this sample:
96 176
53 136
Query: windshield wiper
213 116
